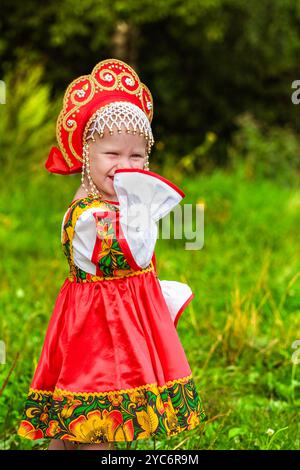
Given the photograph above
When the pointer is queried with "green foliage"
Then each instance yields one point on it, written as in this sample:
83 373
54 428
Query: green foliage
204 62
237 333
27 119
272 152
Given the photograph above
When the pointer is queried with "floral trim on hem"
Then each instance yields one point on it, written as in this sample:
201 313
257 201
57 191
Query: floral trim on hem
120 415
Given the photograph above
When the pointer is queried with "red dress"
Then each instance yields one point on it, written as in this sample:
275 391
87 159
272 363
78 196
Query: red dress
112 367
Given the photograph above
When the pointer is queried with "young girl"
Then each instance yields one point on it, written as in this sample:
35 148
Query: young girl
112 367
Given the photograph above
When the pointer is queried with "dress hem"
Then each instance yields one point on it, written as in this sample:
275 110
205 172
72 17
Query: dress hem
116 416
202 419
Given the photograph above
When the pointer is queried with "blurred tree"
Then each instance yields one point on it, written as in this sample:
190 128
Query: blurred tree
27 121
205 62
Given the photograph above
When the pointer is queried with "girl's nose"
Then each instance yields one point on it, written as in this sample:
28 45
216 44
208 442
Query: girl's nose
124 163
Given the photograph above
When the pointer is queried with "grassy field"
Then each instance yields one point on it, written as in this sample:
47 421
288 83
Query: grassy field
237 333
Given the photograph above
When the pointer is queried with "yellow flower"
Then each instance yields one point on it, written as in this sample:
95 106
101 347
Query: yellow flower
26 429
99 427
115 398
148 421
53 428
137 397
193 420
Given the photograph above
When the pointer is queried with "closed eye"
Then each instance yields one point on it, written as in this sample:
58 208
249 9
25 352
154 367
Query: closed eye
135 155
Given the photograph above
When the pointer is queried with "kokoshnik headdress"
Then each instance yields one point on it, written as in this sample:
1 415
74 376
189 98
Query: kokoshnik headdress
110 96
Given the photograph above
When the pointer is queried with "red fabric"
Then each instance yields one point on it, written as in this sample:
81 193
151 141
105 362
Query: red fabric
110 335
180 311
154 260
94 92
57 164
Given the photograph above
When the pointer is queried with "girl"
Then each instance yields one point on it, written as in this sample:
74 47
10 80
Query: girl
112 367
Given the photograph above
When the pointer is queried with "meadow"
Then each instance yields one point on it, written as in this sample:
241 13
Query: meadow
239 332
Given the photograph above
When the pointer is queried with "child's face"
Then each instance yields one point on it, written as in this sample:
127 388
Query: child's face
111 152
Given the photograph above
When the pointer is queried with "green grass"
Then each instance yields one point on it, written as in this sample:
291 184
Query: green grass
237 332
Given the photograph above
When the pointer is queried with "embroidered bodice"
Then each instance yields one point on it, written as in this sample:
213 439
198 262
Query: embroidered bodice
90 242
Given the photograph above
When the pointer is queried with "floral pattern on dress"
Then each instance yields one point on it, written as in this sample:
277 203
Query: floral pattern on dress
108 256
121 415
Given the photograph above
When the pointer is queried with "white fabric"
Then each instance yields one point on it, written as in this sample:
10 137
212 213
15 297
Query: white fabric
84 239
176 295
144 198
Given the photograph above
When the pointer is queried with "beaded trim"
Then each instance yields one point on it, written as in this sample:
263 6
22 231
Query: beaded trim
114 115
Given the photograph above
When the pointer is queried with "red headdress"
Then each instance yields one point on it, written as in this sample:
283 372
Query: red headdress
111 80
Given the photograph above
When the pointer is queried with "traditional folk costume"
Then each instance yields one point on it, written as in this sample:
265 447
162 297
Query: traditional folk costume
112 367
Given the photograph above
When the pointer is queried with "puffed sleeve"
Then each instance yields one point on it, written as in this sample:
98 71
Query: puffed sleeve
177 296
84 240
144 198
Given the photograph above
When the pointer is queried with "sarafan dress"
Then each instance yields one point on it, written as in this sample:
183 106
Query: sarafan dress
112 367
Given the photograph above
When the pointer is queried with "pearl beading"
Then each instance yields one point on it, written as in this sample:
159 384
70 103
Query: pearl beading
118 113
